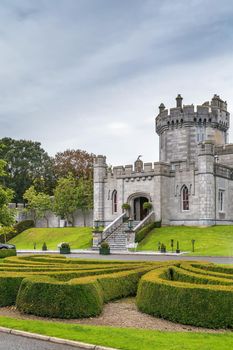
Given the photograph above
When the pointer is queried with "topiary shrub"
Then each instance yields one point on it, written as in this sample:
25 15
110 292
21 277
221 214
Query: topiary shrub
44 247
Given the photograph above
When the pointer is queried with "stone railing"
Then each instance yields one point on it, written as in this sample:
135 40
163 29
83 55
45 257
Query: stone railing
113 226
147 220
100 236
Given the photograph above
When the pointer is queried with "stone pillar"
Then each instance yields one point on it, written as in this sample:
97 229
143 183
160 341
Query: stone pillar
206 183
100 173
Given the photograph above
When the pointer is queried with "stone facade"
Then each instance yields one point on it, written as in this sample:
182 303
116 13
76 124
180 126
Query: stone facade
192 184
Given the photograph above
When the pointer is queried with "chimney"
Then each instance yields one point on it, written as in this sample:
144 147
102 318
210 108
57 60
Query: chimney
179 99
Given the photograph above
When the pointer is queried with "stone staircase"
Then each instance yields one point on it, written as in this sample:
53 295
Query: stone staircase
117 233
118 239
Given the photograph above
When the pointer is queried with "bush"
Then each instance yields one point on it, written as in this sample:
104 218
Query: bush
141 234
4 253
44 247
64 245
147 206
158 224
104 245
125 206
186 298
24 225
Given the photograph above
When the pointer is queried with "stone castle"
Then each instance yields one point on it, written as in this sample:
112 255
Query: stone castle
192 184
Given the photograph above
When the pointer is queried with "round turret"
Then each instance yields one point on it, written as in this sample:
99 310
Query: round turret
182 128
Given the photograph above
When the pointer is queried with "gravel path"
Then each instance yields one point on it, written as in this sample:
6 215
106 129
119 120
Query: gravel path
121 313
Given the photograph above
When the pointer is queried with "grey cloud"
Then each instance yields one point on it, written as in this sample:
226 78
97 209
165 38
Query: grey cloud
89 74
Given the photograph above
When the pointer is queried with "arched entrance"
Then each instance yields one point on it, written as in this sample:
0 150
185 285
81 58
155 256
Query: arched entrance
138 211
136 201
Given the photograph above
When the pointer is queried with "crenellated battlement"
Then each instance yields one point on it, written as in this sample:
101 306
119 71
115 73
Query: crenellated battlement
213 114
147 171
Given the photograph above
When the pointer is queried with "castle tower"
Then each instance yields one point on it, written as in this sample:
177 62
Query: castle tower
206 183
100 170
182 128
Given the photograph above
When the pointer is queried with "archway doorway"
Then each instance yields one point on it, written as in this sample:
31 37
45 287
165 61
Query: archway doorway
139 212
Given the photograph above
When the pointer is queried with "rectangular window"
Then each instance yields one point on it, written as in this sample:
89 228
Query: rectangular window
221 200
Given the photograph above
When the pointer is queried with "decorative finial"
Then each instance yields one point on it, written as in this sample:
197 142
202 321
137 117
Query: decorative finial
161 107
179 99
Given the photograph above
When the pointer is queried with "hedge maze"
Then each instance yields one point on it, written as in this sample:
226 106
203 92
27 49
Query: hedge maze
53 286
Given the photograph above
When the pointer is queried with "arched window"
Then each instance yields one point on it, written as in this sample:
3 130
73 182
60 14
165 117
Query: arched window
114 201
185 198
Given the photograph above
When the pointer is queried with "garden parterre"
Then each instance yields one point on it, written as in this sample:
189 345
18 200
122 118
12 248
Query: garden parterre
199 294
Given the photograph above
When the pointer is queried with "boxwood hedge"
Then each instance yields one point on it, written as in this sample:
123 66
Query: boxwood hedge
193 293
183 296
7 252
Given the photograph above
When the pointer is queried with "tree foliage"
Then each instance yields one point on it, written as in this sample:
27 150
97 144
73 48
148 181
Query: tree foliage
6 195
72 194
38 203
27 164
76 162
66 198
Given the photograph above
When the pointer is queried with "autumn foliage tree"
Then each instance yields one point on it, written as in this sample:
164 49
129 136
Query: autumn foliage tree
76 162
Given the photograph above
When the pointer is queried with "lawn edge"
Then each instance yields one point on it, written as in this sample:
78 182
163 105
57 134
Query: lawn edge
55 340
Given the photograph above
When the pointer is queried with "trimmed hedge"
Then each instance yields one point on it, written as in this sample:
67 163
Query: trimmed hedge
24 225
7 252
186 298
140 235
45 297
54 286
82 297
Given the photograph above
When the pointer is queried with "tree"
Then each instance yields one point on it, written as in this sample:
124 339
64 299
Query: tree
28 164
66 198
7 217
38 203
85 196
76 162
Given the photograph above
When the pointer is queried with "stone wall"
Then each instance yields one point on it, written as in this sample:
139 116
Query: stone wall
54 221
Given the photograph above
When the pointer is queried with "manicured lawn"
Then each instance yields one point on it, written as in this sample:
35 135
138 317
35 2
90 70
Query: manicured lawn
78 237
215 240
123 338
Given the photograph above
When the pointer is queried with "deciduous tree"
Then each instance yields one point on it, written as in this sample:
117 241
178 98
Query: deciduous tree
76 162
39 203
27 164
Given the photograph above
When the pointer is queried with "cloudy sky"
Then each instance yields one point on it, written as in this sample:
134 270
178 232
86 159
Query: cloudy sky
90 74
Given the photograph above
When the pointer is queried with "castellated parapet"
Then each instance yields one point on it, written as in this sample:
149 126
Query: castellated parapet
180 129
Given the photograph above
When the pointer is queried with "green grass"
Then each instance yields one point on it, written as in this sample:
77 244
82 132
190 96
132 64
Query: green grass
78 237
214 240
125 338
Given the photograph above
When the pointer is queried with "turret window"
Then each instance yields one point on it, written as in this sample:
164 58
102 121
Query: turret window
221 200
114 201
185 198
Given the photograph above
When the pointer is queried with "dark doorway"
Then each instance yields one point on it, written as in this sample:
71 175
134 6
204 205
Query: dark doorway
139 212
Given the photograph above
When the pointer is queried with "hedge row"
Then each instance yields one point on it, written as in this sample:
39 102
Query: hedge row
82 297
50 286
7 252
186 298
140 235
